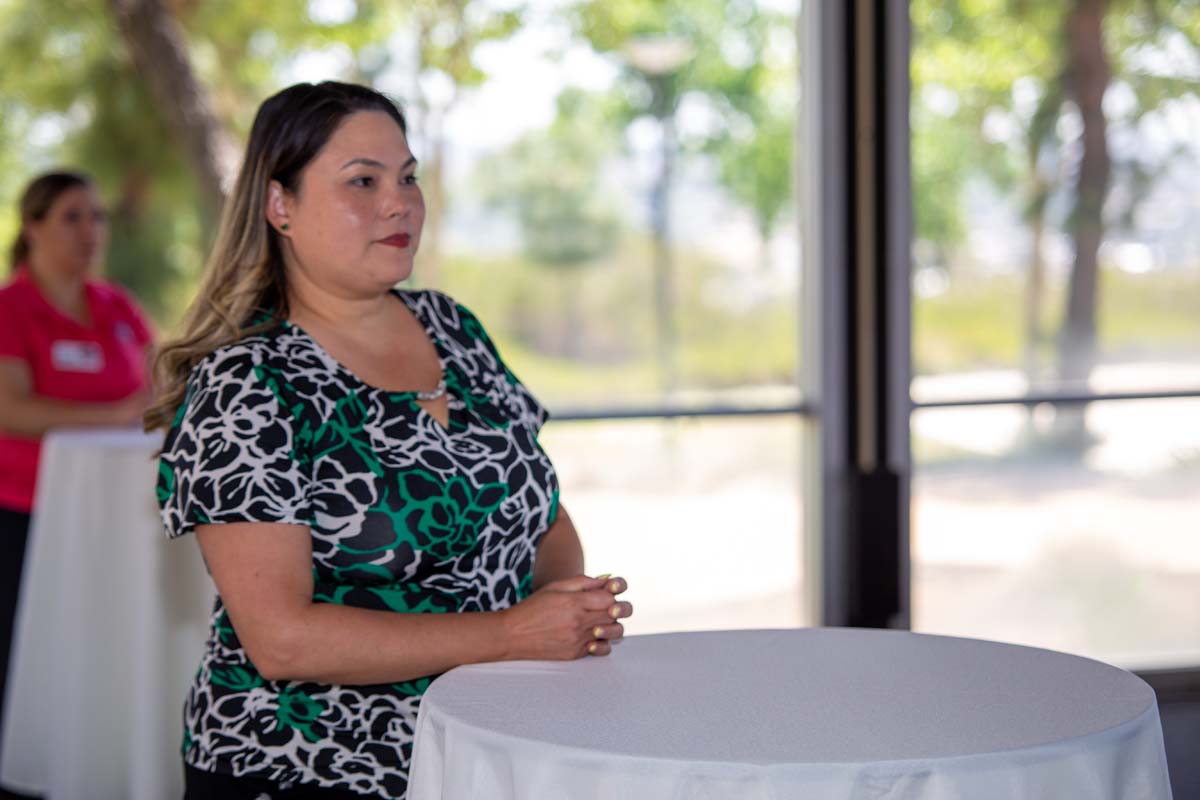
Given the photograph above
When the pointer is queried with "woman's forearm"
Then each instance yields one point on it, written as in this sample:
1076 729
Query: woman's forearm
263 574
560 553
33 415
336 644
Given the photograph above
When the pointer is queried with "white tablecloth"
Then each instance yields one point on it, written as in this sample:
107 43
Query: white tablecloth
110 628
835 714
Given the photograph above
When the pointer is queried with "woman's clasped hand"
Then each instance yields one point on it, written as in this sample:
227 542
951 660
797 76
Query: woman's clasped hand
568 619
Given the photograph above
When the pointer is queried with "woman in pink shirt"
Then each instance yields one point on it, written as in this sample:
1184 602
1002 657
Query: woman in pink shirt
73 352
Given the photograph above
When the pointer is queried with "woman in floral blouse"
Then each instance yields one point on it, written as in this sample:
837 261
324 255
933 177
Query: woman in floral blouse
360 468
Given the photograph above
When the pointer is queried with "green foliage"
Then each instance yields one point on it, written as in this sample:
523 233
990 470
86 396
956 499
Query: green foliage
741 63
977 324
450 30
969 55
720 346
756 166
86 90
966 58
992 98
574 313
549 180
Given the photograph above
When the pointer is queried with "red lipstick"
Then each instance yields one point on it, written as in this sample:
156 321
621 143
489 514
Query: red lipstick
396 240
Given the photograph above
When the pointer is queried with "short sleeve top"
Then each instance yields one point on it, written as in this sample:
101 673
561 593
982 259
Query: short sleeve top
405 515
102 362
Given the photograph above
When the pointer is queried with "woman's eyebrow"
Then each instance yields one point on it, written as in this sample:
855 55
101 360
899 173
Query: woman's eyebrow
370 162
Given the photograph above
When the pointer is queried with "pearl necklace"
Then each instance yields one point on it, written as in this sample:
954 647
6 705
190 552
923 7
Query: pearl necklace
435 393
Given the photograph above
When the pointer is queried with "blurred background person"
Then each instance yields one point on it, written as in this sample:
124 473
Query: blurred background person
73 353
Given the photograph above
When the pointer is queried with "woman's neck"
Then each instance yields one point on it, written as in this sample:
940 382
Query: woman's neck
67 293
308 304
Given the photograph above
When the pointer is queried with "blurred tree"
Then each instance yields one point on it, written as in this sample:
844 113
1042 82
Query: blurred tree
755 165
1027 67
972 67
156 42
447 34
712 51
1108 42
550 181
84 105
1085 79
106 97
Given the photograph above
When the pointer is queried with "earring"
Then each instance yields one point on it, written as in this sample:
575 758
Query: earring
284 226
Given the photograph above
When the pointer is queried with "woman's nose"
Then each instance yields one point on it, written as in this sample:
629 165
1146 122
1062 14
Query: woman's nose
402 200
90 234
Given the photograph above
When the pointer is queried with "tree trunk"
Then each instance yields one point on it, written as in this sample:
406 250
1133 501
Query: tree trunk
159 49
1087 78
1041 185
1035 287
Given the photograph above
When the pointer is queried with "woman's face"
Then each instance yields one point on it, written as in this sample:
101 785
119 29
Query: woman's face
355 223
69 240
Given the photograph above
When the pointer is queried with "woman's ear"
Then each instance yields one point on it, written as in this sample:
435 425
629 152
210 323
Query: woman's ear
278 208
28 232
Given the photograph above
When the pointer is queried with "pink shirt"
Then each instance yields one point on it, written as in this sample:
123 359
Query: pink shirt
68 361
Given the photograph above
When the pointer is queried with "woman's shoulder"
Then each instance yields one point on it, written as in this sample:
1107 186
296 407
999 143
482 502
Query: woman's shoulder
14 291
8 286
241 360
114 295
122 306
445 312
436 301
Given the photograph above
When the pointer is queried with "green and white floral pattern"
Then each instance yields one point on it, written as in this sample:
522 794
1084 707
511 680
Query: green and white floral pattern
406 515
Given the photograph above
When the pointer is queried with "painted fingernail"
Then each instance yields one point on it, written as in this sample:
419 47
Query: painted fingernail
603 577
614 587
598 632
614 612
592 647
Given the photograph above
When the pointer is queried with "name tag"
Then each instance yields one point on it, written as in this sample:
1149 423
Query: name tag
68 356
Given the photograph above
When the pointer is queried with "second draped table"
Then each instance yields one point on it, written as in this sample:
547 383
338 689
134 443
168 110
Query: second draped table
836 714
110 626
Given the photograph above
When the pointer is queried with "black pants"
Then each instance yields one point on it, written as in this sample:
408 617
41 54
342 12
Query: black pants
14 532
200 785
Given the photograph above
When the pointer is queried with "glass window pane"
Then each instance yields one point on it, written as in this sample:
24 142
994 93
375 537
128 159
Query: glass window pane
1055 202
702 516
1096 553
614 200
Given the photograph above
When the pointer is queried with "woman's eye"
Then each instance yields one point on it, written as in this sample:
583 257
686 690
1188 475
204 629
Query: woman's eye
410 180
363 180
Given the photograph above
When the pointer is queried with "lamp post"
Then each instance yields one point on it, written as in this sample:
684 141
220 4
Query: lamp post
657 58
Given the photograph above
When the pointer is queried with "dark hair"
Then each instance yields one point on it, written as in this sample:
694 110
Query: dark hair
36 201
292 126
